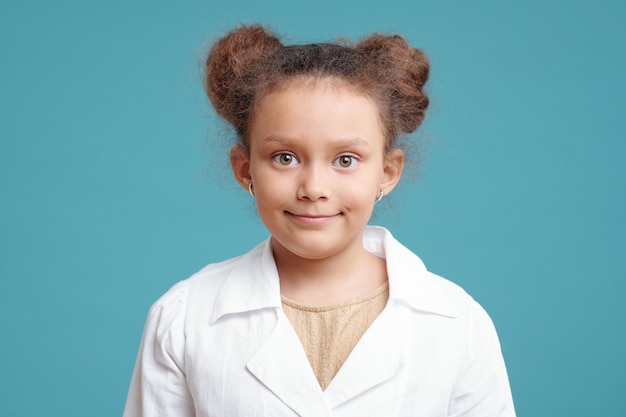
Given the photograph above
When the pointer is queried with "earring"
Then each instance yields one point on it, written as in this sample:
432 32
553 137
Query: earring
250 190
380 197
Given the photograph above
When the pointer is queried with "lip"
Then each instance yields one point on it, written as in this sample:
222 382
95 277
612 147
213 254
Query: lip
313 218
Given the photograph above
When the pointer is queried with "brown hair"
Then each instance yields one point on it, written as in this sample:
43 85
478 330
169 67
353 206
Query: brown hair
250 62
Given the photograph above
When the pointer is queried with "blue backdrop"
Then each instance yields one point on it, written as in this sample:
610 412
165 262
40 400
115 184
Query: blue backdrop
114 182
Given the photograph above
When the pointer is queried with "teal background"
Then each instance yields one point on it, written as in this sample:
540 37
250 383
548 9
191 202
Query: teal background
114 182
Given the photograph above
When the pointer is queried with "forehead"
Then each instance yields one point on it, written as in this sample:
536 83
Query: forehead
316 109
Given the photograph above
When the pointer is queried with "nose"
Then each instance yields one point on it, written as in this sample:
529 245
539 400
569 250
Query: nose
313 184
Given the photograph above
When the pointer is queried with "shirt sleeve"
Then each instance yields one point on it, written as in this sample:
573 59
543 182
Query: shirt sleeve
158 386
482 388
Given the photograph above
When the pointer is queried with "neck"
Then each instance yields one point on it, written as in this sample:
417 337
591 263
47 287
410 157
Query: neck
349 274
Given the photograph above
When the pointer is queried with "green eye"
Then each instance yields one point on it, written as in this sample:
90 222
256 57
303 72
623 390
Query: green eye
345 161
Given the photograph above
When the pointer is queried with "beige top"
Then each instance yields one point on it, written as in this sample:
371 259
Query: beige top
328 334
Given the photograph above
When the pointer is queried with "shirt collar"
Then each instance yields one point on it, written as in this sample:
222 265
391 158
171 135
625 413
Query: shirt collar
409 280
253 283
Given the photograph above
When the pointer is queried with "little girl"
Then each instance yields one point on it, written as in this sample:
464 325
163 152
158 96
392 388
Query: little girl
328 317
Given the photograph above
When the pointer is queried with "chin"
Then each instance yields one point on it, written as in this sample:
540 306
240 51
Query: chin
310 249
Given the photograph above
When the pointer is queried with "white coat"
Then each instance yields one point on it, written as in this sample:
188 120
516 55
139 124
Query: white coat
219 345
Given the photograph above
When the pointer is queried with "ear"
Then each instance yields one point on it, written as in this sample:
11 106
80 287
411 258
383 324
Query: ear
392 171
240 164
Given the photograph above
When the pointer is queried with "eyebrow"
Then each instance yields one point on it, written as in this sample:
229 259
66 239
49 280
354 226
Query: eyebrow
274 140
339 143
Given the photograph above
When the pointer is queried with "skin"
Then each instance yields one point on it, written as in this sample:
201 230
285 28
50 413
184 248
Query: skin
316 159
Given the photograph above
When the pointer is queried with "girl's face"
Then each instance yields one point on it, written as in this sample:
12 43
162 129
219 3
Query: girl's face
317 164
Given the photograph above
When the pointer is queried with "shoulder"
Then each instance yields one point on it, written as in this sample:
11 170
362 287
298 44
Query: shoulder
410 282
197 291
239 284
427 292
210 278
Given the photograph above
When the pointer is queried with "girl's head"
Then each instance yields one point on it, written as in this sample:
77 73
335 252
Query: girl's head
317 126
249 63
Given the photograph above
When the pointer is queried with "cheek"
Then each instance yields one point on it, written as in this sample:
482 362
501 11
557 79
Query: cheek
269 183
272 193
368 183
360 194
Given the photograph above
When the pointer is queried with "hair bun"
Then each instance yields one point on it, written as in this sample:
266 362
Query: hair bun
230 61
405 69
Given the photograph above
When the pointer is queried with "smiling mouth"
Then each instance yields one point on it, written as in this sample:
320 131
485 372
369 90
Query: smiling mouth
313 219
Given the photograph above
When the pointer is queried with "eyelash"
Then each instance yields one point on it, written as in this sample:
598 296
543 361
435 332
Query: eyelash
277 159
353 161
292 160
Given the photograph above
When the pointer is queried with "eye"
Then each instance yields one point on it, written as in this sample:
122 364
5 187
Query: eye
285 159
345 161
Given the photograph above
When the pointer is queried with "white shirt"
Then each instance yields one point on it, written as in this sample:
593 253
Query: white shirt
219 344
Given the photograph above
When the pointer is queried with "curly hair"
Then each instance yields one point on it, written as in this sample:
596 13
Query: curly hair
251 62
